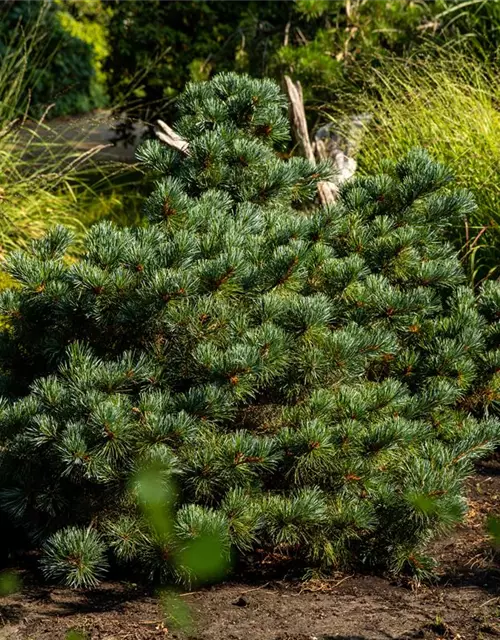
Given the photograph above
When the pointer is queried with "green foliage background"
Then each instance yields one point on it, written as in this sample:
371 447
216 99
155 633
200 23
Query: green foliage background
327 45
65 61
141 54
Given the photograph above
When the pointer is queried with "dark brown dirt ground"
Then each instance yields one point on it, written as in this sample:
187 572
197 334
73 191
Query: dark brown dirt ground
463 603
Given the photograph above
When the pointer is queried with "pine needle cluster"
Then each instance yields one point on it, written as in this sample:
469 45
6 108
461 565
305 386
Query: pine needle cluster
313 382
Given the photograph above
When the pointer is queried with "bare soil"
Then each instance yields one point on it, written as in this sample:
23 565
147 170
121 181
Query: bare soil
462 603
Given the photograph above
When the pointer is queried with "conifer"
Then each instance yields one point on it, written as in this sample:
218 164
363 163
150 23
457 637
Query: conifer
314 382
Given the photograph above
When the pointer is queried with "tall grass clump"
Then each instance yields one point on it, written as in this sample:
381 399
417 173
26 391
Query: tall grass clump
449 105
45 177
68 60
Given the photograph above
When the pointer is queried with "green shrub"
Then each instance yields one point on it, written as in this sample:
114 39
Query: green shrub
67 47
156 47
315 382
448 106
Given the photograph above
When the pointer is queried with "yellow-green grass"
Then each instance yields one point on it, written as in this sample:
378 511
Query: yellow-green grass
448 104
44 183
46 177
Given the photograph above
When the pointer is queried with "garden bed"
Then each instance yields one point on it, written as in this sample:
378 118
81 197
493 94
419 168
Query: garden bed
464 602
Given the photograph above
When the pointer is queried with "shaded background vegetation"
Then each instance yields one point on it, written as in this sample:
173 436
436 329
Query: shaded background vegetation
330 46
66 57
139 55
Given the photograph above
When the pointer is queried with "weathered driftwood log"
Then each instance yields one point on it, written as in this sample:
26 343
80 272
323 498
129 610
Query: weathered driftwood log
327 190
339 143
298 117
169 136
336 143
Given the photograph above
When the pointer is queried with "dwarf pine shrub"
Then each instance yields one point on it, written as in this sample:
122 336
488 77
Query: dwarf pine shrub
315 382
